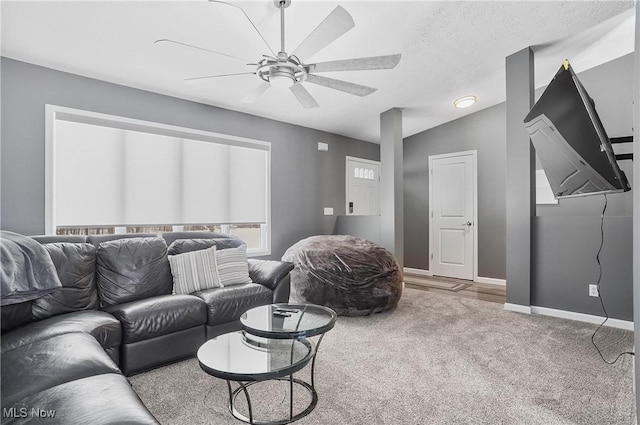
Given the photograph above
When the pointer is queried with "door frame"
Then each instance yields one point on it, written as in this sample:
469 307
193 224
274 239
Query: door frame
474 162
346 178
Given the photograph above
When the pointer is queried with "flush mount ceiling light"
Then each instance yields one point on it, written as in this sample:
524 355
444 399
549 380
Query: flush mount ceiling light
465 102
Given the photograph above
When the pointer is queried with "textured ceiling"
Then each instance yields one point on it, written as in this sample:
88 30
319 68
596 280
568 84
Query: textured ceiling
449 49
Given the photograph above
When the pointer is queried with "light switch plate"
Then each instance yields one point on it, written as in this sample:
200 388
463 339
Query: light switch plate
328 211
323 147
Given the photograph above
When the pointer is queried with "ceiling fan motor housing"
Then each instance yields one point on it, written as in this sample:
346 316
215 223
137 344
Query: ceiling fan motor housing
284 71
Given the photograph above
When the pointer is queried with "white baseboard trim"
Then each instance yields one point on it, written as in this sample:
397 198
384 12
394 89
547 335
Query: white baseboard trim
491 281
417 272
517 308
581 317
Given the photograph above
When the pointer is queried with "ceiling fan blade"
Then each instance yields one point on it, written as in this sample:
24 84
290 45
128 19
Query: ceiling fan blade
191 46
359 64
255 94
344 86
249 20
303 96
208 77
337 23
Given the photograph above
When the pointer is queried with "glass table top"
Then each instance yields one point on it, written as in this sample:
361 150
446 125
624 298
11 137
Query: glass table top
236 357
288 320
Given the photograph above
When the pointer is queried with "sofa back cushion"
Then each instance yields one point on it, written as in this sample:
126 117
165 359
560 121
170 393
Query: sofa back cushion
15 315
98 239
182 246
75 264
132 269
171 237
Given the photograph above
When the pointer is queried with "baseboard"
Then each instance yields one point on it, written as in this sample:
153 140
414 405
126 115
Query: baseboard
417 272
581 317
517 308
491 281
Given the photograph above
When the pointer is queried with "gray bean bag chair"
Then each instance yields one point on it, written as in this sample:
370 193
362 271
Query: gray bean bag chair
352 276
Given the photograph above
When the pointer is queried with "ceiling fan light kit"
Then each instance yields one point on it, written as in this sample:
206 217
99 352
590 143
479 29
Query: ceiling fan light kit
289 71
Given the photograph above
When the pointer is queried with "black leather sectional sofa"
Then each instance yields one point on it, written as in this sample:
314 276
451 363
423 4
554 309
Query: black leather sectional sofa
65 355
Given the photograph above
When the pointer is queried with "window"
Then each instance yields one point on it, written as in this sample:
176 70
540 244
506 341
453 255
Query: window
108 174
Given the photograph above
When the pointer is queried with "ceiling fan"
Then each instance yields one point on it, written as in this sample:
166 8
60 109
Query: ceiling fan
290 71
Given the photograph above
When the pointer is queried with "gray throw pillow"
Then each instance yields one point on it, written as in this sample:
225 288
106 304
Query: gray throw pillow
132 269
233 266
194 271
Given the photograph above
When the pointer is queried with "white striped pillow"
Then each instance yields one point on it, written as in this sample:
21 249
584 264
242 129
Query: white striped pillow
194 271
232 265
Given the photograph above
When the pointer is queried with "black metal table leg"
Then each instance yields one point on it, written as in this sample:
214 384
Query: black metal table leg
243 387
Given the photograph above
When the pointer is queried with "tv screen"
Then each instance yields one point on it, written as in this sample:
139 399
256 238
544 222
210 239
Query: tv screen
571 142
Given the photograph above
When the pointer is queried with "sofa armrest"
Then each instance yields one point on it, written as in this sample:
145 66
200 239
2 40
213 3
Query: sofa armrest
273 275
268 273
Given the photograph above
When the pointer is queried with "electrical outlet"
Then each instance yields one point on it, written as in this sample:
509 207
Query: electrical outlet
593 290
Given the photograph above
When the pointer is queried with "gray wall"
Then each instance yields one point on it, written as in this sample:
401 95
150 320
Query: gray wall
566 236
362 226
483 131
565 264
303 180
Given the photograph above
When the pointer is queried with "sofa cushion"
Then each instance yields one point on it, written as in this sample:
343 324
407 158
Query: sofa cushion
171 237
34 367
75 264
132 269
181 246
227 304
15 315
44 239
100 325
101 399
156 316
232 266
194 271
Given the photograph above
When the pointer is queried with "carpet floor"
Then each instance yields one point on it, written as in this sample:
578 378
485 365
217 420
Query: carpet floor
435 359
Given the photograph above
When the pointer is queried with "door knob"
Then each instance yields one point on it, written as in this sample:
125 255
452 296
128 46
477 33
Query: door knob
468 223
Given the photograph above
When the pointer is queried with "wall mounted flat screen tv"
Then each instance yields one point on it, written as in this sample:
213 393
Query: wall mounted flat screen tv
571 142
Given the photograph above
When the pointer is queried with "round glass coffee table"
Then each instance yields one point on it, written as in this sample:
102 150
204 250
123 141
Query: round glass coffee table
234 357
288 321
291 322
272 346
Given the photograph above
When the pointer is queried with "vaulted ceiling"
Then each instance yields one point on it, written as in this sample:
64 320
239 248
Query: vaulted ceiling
449 49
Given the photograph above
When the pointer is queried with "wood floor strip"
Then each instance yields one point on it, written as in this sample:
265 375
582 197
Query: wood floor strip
463 288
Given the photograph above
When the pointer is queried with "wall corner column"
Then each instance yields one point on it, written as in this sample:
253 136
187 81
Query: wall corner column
636 209
392 184
521 206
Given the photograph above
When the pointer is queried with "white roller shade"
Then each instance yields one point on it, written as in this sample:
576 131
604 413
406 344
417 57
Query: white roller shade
88 175
205 184
248 185
106 176
152 178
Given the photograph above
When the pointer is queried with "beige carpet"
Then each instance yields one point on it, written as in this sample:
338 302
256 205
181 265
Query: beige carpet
436 359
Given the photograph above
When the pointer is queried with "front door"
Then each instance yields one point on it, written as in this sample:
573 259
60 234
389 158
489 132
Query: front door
452 182
363 187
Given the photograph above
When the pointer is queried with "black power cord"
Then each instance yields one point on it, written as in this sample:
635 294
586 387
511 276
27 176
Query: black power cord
606 201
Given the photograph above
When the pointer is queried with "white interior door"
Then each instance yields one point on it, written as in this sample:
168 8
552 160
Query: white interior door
452 200
363 187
